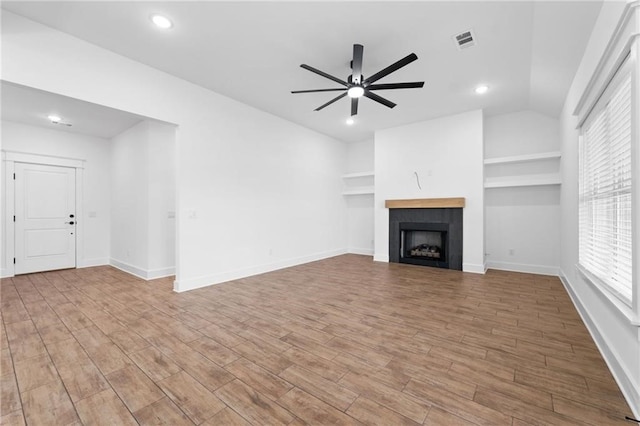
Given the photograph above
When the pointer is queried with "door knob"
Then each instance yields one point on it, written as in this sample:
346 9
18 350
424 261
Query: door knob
70 223
71 215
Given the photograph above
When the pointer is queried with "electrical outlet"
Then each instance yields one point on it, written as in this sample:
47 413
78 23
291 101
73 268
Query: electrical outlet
512 252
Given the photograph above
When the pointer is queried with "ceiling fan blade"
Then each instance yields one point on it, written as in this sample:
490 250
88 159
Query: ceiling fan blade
379 99
391 68
356 64
318 90
331 101
412 85
354 106
324 74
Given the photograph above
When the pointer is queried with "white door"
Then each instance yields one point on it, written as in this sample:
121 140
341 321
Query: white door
45 223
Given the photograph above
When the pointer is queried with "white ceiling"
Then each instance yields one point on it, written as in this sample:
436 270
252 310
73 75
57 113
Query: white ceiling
527 52
31 106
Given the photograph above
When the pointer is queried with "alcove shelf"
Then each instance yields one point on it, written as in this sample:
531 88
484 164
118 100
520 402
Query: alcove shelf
541 169
361 190
511 182
357 175
523 158
358 183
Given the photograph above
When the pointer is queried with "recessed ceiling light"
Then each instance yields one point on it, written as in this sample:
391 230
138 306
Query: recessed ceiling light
482 89
355 91
350 121
54 118
161 21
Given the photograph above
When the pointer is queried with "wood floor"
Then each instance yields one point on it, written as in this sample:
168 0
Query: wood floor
340 341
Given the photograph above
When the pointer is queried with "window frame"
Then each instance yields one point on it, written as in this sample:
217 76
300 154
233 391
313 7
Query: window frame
623 45
623 72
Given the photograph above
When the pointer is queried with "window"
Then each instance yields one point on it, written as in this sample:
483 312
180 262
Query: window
605 185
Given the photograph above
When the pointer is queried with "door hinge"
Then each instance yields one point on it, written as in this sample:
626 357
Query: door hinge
14 218
14 260
14 176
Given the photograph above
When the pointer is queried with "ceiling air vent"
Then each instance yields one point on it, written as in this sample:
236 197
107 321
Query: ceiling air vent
465 39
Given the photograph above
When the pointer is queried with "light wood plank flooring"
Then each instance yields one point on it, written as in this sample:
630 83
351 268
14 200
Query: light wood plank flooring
340 341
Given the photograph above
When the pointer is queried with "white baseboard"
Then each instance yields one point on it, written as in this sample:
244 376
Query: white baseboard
625 380
381 258
194 283
96 261
363 251
523 267
474 268
153 274
6 273
145 274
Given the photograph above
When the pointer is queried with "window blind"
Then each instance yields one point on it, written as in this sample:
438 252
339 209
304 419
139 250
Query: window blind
605 189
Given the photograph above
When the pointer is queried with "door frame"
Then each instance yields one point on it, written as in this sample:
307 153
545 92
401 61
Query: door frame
10 158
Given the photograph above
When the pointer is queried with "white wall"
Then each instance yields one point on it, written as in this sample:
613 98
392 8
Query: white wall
522 223
255 192
95 152
161 189
447 154
142 200
360 207
617 338
129 200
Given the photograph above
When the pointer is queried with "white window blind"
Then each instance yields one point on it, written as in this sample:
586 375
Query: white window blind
605 189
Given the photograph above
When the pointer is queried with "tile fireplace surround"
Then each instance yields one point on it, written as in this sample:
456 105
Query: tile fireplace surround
441 213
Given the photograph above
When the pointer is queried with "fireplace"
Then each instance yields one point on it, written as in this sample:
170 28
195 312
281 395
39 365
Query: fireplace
426 236
424 244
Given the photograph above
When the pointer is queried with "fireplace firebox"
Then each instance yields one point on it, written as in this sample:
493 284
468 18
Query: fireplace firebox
426 237
424 244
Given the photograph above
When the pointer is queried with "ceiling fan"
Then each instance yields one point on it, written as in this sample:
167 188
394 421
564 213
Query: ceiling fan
356 87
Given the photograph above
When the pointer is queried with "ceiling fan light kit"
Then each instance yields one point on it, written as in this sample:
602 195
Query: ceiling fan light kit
356 87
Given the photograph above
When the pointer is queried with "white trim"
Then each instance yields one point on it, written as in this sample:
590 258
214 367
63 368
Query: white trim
524 268
381 258
96 261
622 376
145 274
153 274
204 281
48 160
362 251
9 211
619 304
474 268
6 273
128 268
590 96
10 158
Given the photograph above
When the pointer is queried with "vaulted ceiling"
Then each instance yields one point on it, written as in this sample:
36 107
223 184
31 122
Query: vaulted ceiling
526 52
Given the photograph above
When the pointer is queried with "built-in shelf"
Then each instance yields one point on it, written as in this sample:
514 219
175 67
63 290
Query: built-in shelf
358 190
358 183
512 182
357 175
540 171
523 158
